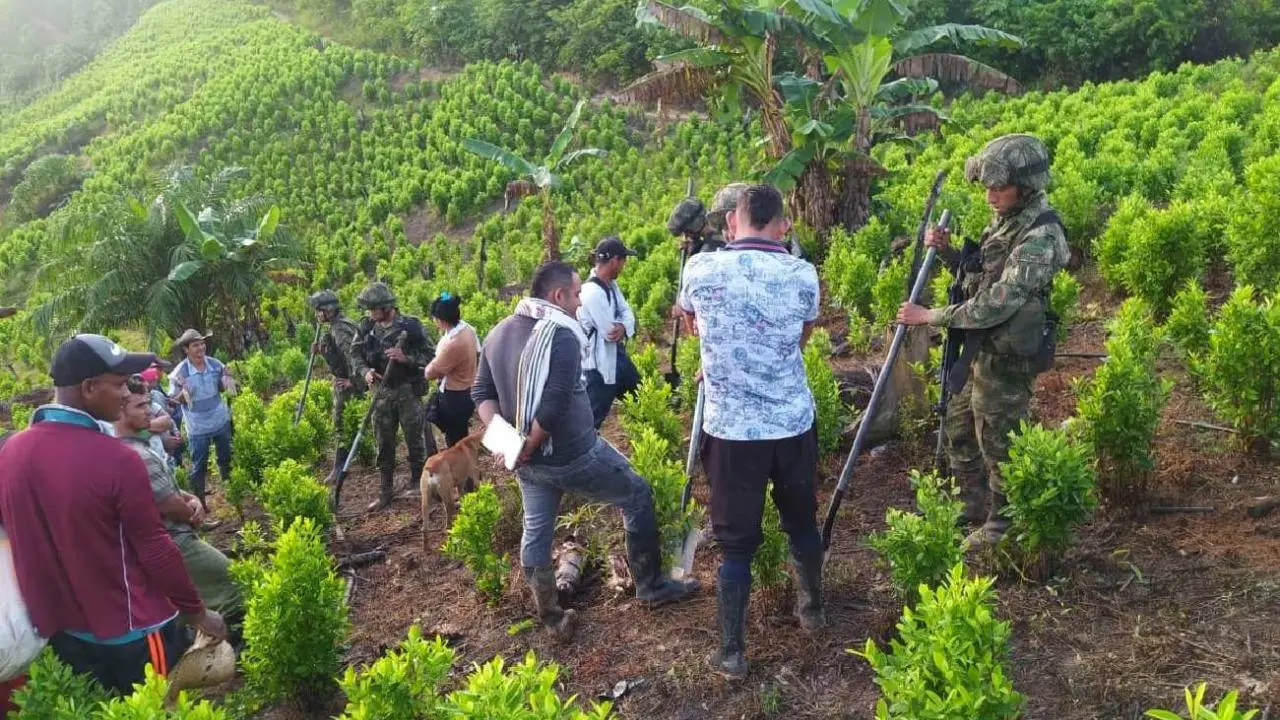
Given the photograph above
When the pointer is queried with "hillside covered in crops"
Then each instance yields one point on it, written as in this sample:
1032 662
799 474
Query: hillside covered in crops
303 163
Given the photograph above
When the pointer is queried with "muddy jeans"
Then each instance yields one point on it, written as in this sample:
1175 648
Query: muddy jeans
601 474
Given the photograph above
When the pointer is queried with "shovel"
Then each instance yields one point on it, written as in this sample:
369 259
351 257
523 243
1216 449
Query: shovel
694 536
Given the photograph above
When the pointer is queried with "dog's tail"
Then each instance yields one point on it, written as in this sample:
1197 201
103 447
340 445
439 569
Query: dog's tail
475 436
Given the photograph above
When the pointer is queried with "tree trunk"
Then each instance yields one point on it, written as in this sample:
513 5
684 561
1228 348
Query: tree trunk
854 206
550 237
775 126
814 199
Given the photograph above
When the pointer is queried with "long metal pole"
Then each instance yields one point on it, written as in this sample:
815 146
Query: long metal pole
899 334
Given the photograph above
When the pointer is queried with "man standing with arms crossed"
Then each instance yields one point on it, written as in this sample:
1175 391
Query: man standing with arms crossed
1003 318
753 304
608 321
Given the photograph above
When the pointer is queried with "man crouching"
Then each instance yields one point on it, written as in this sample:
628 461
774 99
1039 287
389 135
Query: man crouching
531 374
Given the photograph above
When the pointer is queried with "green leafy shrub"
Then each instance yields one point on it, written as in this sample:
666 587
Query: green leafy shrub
404 684
1240 373
652 459
1049 484
831 413
1158 253
54 692
889 291
148 703
1120 406
646 362
769 566
1187 326
650 406
524 690
1253 232
253 551
948 660
688 362
919 548
1064 299
471 541
290 491
295 621
1225 709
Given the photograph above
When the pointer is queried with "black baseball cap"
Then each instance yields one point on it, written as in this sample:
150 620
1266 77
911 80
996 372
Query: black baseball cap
612 247
88 356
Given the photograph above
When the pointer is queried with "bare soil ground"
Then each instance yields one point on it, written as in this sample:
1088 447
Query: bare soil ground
1137 609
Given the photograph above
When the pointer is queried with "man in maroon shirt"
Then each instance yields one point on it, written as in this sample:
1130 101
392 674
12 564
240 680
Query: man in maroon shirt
100 576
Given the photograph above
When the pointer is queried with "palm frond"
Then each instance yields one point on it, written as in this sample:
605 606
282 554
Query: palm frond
584 152
957 70
958 34
566 134
508 159
679 83
686 21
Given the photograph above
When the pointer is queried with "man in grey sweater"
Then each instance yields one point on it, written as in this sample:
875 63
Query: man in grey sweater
531 375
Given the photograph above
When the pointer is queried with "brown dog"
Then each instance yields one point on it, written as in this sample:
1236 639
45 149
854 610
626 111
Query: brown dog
450 474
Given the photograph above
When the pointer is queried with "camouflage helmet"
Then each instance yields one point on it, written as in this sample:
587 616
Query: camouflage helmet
376 295
324 300
1020 160
689 216
723 202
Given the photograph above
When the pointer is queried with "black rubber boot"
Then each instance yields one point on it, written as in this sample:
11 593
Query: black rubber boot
977 500
809 606
731 660
385 490
560 623
652 587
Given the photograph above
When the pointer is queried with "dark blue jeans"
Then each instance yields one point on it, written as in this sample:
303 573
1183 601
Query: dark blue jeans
601 475
601 396
221 440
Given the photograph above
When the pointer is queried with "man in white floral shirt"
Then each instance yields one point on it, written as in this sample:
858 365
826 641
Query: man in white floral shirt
753 306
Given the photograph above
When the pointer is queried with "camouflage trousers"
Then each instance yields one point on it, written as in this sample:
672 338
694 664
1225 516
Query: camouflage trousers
980 418
340 399
398 409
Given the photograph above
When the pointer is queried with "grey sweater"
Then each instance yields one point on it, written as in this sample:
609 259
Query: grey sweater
564 411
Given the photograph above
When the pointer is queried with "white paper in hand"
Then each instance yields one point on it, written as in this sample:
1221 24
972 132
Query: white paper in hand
501 438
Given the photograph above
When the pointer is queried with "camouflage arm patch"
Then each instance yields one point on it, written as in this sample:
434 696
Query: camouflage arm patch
1028 272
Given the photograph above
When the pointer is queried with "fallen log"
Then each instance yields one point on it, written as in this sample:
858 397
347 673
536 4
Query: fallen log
569 569
359 560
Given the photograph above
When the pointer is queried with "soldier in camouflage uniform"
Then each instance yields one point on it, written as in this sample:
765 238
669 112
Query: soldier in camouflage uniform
333 346
1006 292
399 395
706 230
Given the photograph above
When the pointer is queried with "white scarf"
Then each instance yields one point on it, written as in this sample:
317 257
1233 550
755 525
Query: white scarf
535 359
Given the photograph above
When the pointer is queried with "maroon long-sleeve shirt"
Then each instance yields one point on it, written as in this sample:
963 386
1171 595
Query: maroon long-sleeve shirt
89 550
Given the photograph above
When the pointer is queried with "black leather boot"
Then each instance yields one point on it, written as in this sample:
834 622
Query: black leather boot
731 660
652 586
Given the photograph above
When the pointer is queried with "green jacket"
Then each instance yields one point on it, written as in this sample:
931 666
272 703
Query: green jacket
1010 295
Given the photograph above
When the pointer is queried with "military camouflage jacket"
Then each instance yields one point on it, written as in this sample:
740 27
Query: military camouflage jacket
373 340
336 343
1009 297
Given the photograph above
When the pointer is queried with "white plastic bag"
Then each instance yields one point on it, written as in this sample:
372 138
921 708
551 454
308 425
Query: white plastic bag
19 641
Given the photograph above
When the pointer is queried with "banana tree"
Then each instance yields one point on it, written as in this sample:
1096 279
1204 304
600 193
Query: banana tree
163 268
876 65
540 179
